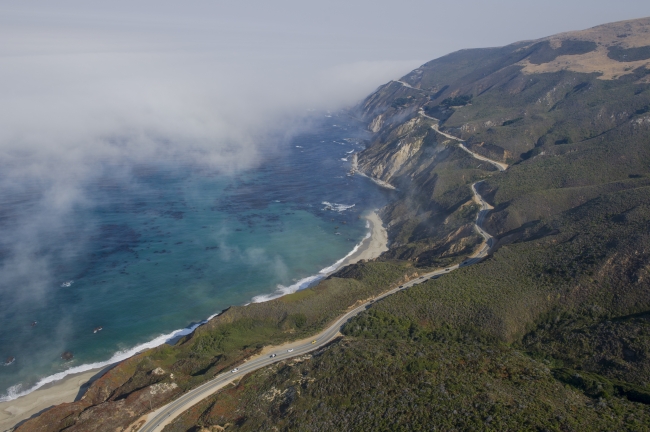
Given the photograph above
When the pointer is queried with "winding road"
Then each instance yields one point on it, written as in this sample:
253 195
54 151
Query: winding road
404 84
158 419
500 165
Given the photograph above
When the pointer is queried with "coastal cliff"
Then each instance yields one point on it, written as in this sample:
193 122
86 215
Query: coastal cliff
552 331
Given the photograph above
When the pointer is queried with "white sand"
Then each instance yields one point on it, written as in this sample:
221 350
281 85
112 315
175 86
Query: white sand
67 389
373 246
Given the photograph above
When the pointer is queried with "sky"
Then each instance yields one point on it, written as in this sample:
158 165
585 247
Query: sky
90 84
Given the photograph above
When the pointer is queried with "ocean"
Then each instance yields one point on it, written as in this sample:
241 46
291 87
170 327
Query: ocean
158 251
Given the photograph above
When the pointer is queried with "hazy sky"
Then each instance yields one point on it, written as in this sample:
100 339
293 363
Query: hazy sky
335 30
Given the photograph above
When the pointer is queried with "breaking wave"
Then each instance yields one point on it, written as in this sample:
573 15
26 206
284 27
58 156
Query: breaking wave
336 207
14 392
309 280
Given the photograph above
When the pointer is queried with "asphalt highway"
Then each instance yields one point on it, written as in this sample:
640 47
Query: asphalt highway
163 416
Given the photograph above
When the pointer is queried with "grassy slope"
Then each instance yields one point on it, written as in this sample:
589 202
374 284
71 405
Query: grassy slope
402 385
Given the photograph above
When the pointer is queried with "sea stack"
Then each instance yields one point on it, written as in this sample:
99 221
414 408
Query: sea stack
67 356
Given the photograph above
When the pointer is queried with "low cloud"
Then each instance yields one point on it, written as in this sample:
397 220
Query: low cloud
80 108
84 102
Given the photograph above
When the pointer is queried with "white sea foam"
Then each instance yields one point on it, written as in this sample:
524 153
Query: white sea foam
344 159
336 207
309 280
14 391
67 284
351 151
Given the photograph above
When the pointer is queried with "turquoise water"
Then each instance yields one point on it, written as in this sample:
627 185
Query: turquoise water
167 246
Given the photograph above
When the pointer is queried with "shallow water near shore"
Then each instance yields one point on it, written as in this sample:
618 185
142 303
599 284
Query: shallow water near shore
170 246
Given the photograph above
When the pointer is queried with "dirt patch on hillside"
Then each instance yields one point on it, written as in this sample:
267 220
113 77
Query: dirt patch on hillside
623 35
595 61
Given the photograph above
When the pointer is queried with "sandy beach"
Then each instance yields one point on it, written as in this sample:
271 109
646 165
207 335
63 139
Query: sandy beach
66 390
372 246
72 387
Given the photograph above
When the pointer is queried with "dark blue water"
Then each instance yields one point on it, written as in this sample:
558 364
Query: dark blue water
166 246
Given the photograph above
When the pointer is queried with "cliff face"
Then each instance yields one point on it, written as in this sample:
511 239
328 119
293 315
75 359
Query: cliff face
401 153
